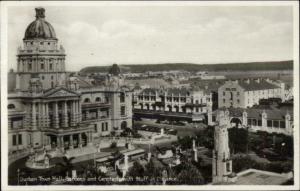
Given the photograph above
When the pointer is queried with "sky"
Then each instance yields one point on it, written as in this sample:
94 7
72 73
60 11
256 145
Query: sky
103 35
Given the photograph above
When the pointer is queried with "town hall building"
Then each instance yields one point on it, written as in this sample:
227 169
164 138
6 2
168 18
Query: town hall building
51 108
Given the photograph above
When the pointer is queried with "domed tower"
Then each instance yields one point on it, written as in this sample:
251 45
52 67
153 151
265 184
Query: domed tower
40 55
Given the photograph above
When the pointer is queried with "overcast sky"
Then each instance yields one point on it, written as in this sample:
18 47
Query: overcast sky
102 35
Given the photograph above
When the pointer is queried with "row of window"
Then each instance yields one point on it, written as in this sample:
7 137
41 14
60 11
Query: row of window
270 123
263 91
41 43
97 99
104 127
42 66
231 94
169 99
238 101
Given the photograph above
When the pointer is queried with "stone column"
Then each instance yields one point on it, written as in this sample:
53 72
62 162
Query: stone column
99 113
79 140
72 113
65 114
75 112
78 118
43 114
264 120
62 144
71 142
55 116
80 111
58 143
90 137
33 117
87 114
47 120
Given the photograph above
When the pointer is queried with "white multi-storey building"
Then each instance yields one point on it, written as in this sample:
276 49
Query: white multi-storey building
188 102
246 93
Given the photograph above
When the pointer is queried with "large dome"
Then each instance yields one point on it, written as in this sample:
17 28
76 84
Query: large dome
40 28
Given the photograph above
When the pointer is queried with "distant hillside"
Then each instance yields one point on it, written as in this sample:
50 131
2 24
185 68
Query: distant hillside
280 65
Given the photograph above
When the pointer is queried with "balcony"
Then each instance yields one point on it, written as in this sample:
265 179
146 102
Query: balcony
95 105
195 105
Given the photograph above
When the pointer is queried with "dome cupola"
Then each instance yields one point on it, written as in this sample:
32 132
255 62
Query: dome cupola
40 28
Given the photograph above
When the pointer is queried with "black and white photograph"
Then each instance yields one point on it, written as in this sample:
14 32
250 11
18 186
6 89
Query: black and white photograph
150 95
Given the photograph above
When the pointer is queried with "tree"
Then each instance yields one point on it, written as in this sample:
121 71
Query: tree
190 175
135 172
238 140
153 172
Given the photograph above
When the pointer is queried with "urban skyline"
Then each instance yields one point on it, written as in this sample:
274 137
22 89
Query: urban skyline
160 34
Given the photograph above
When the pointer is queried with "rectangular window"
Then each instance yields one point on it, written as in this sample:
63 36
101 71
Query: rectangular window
42 66
249 122
237 93
282 124
20 139
123 110
95 128
102 127
213 118
50 66
106 126
259 122
29 66
223 100
14 140
223 93
122 97
275 124
269 123
254 122
238 101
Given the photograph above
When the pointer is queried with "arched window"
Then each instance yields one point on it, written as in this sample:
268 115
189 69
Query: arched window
87 100
11 106
98 99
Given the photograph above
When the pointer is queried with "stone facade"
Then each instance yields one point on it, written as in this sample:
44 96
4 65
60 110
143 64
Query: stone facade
246 93
50 109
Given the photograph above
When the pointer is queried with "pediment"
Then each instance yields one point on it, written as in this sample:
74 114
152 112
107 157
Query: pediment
60 93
